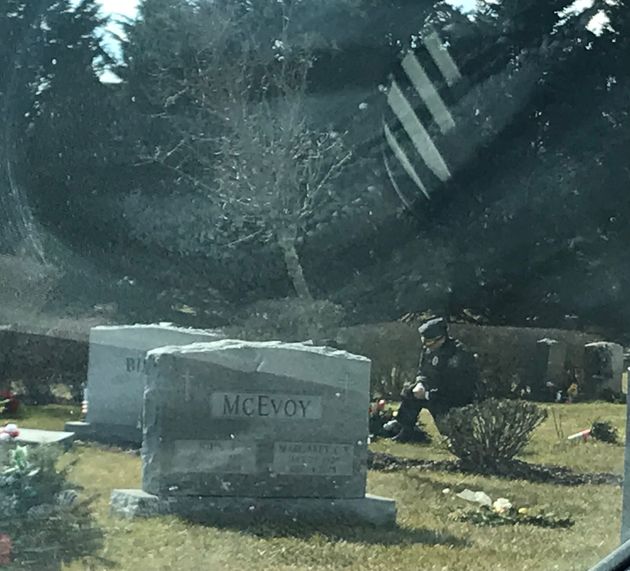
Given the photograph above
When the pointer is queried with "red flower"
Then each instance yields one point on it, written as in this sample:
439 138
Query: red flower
6 547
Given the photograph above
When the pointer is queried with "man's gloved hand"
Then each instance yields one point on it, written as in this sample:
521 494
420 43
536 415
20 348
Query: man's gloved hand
391 426
420 392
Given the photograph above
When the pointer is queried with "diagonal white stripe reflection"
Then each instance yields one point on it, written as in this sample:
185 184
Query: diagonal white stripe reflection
428 93
402 157
442 58
395 184
417 133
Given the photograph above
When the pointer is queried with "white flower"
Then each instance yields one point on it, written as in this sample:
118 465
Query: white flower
501 505
480 498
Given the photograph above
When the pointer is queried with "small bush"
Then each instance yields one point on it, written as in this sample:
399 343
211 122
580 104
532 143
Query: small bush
36 364
488 434
40 511
604 431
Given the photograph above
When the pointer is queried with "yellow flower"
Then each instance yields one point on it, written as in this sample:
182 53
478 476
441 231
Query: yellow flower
522 511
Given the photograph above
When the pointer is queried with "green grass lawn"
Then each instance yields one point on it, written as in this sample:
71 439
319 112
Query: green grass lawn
426 538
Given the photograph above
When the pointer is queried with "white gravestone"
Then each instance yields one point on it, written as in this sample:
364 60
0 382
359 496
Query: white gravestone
117 377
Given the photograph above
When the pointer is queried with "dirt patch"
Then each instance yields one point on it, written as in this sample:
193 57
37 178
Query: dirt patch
384 462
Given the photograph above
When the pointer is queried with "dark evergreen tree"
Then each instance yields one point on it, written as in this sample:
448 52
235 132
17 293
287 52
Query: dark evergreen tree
74 148
21 38
528 231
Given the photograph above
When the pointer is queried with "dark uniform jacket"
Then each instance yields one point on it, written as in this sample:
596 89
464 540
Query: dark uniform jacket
449 374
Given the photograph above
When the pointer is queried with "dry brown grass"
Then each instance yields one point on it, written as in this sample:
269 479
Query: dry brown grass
426 538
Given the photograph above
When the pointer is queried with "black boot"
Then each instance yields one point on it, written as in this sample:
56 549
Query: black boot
420 436
414 434
406 434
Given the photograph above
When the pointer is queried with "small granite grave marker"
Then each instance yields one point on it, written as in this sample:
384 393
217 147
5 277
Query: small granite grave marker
116 377
280 427
547 368
35 436
603 368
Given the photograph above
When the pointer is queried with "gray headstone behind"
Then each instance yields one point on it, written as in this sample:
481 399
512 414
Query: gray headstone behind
117 376
546 366
603 368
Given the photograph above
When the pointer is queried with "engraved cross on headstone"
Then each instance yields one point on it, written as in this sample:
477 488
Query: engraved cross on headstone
187 378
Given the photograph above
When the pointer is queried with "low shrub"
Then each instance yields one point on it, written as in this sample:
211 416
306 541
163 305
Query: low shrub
35 365
604 431
488 434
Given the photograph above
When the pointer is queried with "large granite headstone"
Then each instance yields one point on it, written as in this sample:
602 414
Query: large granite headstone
265 427
603 369
116 377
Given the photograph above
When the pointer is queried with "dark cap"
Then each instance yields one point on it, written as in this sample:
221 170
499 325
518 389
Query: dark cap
433 328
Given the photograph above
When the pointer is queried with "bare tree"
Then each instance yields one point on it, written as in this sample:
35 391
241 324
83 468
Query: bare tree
243 136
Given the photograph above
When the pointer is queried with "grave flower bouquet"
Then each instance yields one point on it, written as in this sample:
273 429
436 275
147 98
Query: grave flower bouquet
523 516
9 432
379 415
502 512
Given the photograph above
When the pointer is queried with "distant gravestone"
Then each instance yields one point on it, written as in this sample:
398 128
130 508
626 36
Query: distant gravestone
603 369
116 377
546 367
254 428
